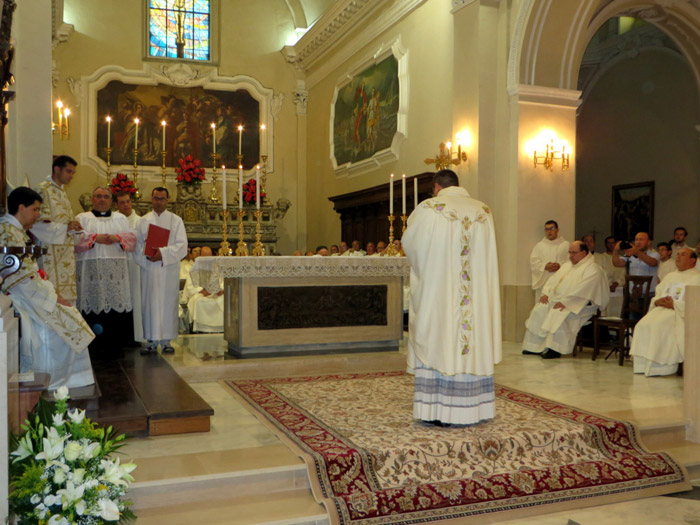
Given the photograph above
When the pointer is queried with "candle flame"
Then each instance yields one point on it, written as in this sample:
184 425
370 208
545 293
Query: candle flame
162 123
263 127
213 126
240 166
109 119
223 167
403 175
240 128
66 112
392 175
136 120
59 104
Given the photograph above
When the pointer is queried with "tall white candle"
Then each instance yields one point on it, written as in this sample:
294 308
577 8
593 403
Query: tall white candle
59 105
240 138
162 123
257 186
415 192
109 129
223 184
136 134
391 194
403 194
240 187
213 138
67 114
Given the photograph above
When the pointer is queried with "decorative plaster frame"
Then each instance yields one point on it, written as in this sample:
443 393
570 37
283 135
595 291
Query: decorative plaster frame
390 154
175 74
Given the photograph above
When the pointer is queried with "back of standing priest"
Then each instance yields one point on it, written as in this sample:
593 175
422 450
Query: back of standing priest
455 313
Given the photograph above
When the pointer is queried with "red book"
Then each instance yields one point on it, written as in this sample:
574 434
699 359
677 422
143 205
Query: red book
157 238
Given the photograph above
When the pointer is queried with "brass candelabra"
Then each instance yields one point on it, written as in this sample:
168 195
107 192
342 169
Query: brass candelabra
109 165
447 158
390 248
263 179
242 250
224 247
214 195
137 195
258 248
163 153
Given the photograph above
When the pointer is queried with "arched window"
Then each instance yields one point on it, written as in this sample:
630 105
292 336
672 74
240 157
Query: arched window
180 29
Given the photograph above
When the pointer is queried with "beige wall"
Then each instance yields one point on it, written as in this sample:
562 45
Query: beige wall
638 124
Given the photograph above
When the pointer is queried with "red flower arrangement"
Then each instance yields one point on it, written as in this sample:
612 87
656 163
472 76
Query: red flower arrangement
190 171
249 191
122 183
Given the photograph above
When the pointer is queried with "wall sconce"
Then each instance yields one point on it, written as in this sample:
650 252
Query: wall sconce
63 114
448 157
554 150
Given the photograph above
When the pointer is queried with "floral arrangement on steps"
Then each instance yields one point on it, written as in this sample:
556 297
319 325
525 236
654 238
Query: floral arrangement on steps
190 171
61 472
249 191
122 183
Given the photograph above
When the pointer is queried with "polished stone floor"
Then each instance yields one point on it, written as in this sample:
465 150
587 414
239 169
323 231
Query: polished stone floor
600 386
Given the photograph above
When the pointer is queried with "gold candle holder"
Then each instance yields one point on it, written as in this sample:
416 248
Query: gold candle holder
242 250
390 248
224 247
263 179
137 195
163 153
258 248
404 218
109 165
214 195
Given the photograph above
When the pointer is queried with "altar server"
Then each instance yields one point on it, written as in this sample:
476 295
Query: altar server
547 256
659 339
102 266
54 335
56 227
454 314
206 310
160 273
125 207
569 299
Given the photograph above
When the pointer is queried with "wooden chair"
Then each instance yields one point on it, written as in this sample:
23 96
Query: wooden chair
635 304
585 336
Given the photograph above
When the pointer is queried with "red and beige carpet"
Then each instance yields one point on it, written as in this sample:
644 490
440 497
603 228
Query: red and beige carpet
369 462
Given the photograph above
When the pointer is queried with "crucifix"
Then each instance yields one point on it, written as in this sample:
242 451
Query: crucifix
180 18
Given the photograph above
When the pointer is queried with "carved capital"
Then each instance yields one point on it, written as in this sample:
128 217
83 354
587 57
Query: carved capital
300 98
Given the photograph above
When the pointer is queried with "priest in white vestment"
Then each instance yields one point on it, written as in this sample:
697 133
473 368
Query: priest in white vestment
102 266
205 309
56 228
125 207
454 314
54 336
569 299
659 337
160 274
547 256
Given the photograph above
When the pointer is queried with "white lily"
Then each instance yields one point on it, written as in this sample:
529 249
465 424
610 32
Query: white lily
24 449
58 420
57 519
61 393
50 499
53 445
70 494
116 473
76 416
59 477
78 475
90 450
108 510
80 508
35 499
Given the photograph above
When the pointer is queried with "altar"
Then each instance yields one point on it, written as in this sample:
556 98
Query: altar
277 306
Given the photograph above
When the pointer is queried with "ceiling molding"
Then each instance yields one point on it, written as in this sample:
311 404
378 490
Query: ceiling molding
549 96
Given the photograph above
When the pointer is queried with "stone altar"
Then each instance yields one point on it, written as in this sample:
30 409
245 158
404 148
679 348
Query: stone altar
277 306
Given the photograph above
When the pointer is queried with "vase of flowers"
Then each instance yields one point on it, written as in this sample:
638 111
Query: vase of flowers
190 176
250 190
62 472
121 182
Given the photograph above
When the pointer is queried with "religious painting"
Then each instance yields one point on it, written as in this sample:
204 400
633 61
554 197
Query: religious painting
632 210
188 112
366 109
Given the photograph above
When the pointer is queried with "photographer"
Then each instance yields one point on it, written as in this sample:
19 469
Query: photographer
642 260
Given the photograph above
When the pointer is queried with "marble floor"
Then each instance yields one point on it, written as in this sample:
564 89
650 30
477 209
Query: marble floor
600 386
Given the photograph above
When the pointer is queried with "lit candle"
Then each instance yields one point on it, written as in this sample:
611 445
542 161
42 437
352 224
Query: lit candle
263 127
136 134
223 184
67 114
240 187
415 192
162 123
403 194
257 186
59 105
109 129
391 194
213 138
240 138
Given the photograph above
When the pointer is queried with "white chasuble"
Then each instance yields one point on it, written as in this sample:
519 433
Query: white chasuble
659 337
160 280
54 337
544 252
52 232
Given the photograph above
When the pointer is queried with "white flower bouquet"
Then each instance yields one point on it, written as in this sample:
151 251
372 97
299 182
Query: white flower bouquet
61 471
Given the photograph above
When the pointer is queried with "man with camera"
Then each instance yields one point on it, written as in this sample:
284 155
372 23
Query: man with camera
641 259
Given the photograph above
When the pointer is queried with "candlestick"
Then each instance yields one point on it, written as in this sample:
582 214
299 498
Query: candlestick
67 114
403 194
223 185
390 248
258 248
263 177
163 154
213 138
214 195
257 186
136 134
59 105
162 123
415 192
224 247
391 194
137 195
240 184
109 165
242 250
403 218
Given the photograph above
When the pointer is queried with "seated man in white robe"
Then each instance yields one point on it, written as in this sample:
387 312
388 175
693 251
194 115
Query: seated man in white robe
658 342
206 310
54 337
569 299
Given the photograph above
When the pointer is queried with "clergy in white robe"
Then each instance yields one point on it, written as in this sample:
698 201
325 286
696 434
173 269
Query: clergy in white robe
454 313
569 299
125 207
547 256
160 274
659 337
667 262
54 336
102 266
205 310
56 228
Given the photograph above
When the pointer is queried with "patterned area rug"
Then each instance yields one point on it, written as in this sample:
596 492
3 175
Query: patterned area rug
370 462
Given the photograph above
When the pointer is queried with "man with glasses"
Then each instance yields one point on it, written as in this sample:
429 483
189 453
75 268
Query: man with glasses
162 243
547 256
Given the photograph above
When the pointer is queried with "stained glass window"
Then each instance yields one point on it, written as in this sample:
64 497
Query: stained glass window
180 29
